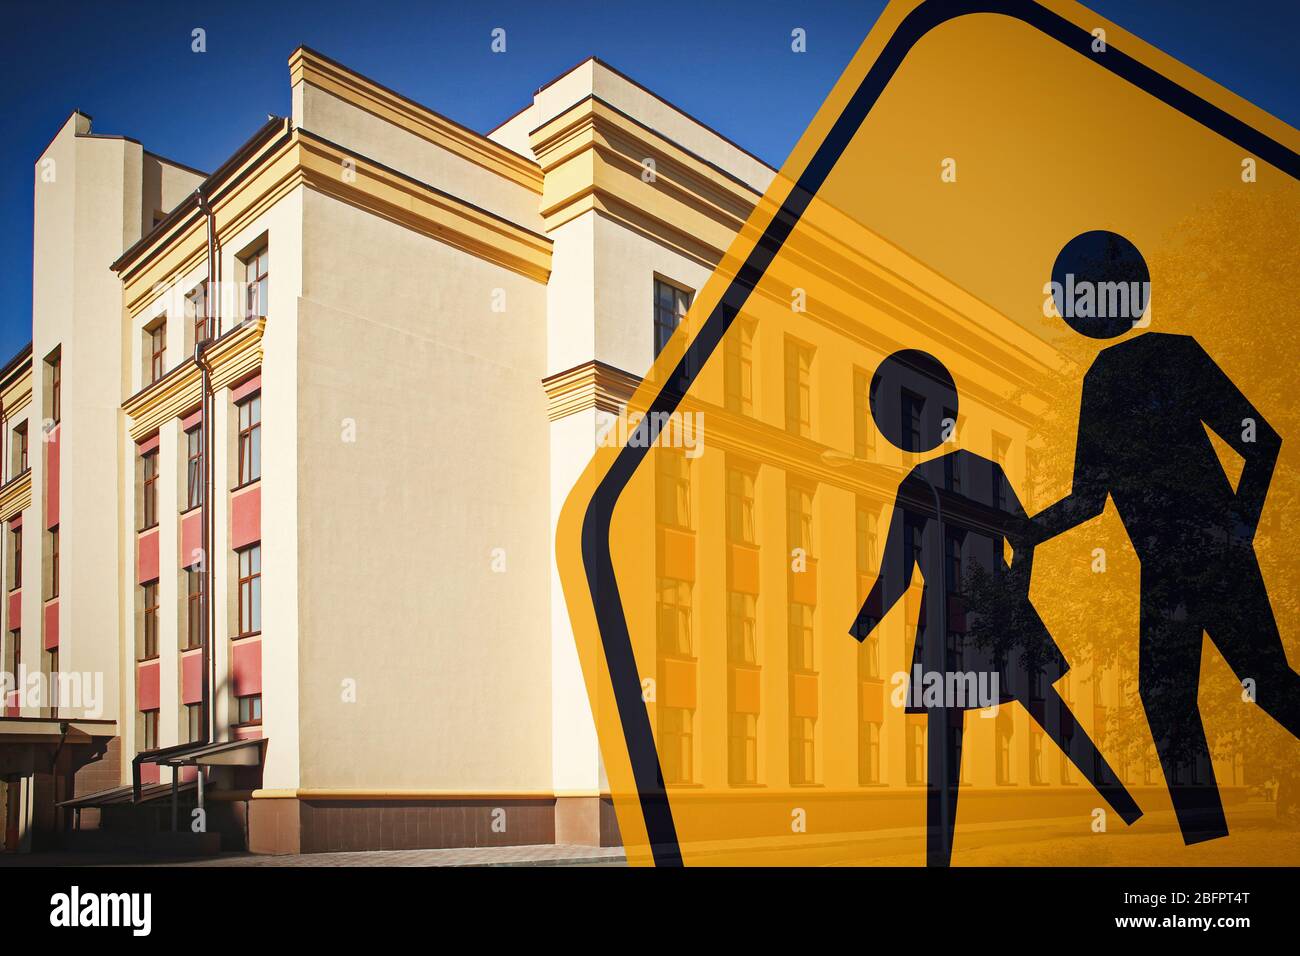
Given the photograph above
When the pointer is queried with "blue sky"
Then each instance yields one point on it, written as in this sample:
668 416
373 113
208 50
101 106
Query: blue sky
130 66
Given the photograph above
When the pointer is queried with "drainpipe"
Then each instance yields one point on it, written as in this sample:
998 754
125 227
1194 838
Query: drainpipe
206 521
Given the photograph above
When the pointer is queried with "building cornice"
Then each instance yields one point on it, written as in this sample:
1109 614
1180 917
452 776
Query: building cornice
16 394
234 356
589 385
594 156
306 65
423 208
15 495
304 159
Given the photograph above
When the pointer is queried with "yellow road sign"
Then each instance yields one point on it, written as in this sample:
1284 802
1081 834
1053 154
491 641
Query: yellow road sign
715 561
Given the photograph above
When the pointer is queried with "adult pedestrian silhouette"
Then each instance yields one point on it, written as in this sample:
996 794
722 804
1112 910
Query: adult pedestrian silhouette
976 629
1142 442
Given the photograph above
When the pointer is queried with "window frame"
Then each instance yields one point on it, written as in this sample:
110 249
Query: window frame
257 284
679 303
193 598
16 557
194 467
200 320
56 388
54 562
149 622
157 335
23 449
255 704
249 439
149 489
253 580
148 729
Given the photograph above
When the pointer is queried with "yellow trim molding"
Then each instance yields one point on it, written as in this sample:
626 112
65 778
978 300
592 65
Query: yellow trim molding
15 495
235 355
423 208
590 385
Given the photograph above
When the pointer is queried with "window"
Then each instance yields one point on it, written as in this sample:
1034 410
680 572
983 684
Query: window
15 557
802 751
193 721
671 304
194 467
16 654
952 548
193 608
742 748
1036 757
742 629
798 388
156 342
869 752
250 591
1001 455
148 730
676 730
54 563
52 672
673 488
250 439
867 518
196 307
740 506
149 635
799 519
56 388
675 618
149 487
250 709
864 428
256 270
914 534
915 752
20 463
13 659
801 639
912 408
1004 752
869 655
738 368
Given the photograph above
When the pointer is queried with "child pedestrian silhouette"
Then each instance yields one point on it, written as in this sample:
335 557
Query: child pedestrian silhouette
976 627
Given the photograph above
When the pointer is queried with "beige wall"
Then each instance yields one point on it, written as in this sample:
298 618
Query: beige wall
398 528
89 206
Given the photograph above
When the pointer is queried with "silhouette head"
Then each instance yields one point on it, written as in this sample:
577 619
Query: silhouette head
911 396
1101 284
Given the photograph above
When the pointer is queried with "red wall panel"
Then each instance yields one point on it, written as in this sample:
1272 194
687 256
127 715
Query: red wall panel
147 562
191 537
246 518
52 478
15 609
146 691
192 677
247 668
52 625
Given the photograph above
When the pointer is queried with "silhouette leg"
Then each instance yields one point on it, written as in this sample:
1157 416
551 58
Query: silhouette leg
1241 624
1087 759
1169 673
943 758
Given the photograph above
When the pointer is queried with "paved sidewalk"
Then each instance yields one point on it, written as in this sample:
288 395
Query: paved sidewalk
544 855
